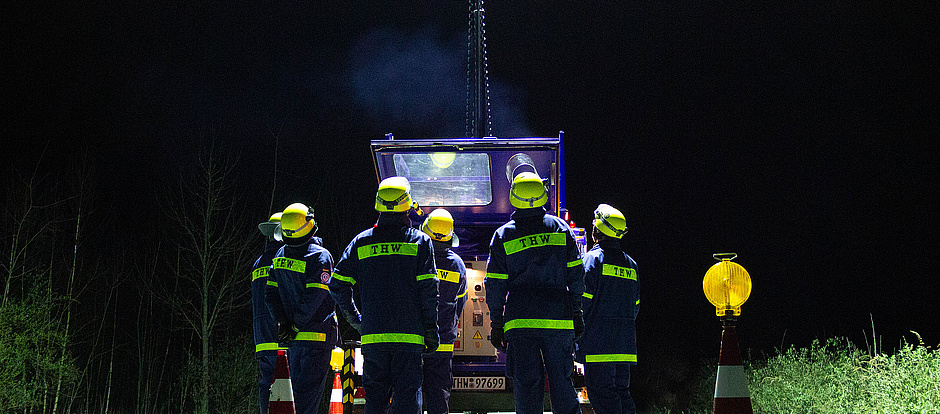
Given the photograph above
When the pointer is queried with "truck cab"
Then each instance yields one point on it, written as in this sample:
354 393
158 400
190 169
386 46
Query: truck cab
471 177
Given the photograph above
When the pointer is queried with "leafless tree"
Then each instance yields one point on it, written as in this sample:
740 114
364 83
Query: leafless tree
212 253
25 221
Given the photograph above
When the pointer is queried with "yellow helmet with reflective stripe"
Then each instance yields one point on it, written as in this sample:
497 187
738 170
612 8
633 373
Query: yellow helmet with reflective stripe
610 221
394 195
297 224
440 226
527 191
276 217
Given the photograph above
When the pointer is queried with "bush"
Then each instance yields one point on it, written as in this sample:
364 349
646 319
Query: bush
837 377
31 350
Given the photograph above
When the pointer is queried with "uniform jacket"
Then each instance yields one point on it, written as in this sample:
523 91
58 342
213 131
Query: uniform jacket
534 277
392 266
265 327
452 274
611 301
298 292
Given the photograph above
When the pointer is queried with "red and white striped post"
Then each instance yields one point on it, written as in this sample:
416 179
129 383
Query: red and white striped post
731 394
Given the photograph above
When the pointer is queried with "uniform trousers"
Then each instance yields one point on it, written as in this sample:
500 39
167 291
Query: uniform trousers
387 371
309 368
266 363
608 387
438 381
531 357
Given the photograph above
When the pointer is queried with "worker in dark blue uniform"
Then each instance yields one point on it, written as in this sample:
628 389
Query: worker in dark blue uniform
452 274
265 327
299 297
392 266
534 281
610 302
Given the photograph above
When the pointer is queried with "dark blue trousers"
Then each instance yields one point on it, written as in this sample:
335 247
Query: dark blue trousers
266 362
387 371
309 369
438 380
608 387
529 357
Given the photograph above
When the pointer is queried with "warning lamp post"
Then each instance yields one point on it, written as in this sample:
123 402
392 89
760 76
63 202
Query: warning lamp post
727 286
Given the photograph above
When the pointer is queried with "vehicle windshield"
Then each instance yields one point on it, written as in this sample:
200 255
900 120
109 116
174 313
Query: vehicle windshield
447 178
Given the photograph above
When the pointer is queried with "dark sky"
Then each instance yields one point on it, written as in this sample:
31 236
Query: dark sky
795 133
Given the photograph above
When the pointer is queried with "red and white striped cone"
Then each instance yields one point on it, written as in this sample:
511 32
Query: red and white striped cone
282 396
336 396
731 395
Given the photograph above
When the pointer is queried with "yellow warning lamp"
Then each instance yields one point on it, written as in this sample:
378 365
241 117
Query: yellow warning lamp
443 159
727 285
336 358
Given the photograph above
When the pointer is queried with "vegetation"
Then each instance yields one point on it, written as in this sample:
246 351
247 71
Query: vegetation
98 315
836 377
233 374
31 345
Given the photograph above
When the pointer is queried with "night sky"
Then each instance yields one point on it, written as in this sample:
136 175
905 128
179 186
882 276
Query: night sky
799 134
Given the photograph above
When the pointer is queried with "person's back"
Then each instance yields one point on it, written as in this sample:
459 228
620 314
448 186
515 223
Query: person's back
615 299
302 273
533 249
388 264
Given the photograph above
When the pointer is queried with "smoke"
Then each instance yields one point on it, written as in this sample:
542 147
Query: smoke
415 85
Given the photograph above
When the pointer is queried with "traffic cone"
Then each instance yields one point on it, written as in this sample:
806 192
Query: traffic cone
583 396
282 396
731 395
336 397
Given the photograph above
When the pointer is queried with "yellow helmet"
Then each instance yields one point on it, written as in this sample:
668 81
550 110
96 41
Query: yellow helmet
440 226
394 195
610 221
269 227
527 191
297 224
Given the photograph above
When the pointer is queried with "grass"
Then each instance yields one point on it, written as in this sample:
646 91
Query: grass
838 377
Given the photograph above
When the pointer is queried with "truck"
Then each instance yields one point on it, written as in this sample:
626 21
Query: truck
471 177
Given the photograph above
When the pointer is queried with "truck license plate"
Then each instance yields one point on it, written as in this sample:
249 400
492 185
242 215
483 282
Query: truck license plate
479 383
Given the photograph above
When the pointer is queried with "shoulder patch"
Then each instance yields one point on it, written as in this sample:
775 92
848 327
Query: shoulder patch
325 276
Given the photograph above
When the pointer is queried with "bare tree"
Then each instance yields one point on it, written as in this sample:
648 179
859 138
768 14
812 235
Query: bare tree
82 192
210 234
152 345
24 224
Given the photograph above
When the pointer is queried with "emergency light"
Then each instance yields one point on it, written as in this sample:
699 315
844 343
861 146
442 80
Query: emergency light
727 285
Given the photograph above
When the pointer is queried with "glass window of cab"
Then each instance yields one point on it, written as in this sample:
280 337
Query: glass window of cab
446 178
